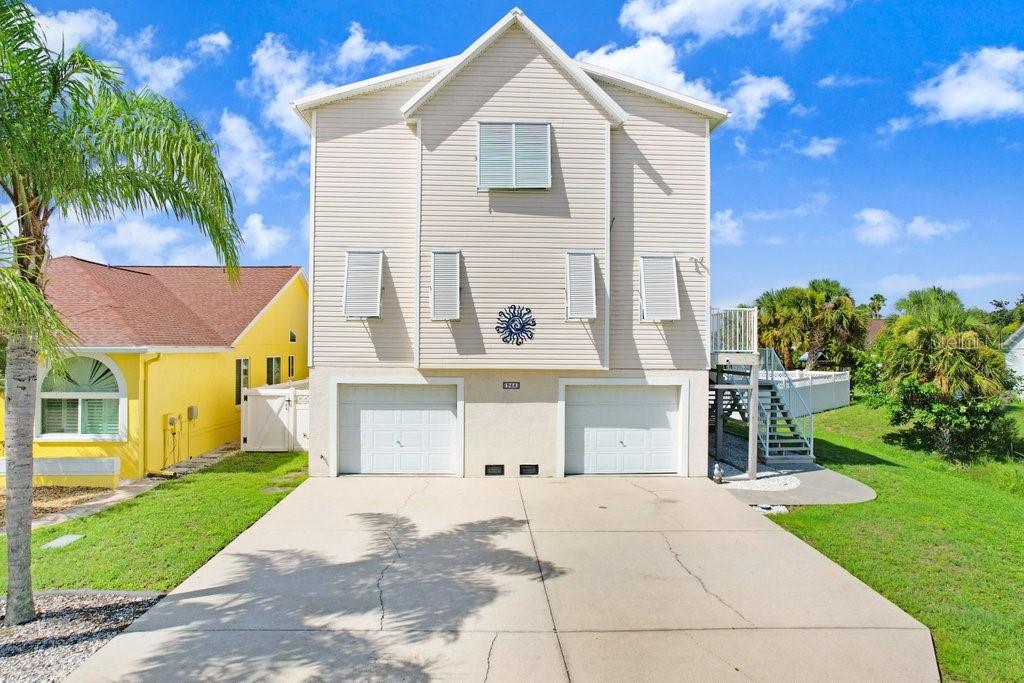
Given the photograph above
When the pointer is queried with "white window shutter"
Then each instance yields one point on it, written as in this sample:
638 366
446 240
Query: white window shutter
533 155
363 271
444 286
659 288
496 156
580 286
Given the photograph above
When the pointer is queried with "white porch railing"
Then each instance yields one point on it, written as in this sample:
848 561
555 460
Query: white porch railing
734 329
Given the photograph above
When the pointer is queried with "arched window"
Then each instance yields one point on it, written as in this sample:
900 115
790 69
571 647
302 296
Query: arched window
84 398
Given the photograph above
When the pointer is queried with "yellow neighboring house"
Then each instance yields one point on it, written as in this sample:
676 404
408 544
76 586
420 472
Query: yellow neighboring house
164 352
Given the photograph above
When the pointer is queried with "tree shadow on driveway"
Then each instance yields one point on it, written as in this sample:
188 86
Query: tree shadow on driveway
287 613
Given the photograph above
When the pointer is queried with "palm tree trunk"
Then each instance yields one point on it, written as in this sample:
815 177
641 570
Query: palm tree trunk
20 407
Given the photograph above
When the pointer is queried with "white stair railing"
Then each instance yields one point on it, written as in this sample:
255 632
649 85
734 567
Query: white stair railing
734 329
773 370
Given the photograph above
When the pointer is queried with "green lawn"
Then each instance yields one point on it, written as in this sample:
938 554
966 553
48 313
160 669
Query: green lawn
154 541
944 542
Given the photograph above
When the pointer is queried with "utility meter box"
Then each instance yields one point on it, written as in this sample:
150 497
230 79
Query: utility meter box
193 413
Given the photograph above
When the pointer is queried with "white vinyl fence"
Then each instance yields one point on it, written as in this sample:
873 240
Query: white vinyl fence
276 417
820 391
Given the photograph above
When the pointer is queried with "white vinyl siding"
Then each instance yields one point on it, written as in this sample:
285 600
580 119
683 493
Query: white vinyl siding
580 286
659 288
514 156
513 244
364 195
363 273
659 183
444 285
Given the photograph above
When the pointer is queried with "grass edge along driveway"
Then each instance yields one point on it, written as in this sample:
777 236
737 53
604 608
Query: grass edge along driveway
154 541
944 542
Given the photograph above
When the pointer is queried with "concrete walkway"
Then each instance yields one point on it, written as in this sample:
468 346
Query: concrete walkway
610 579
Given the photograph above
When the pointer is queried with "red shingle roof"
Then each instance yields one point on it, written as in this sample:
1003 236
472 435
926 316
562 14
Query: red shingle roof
159 305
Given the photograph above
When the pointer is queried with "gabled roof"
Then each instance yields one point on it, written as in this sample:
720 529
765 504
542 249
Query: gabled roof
615 113
146 306
443 70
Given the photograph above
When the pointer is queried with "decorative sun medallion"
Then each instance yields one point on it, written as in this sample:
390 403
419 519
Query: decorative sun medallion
515 324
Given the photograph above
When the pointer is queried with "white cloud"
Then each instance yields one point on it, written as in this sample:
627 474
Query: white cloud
68 237
845 81
818 148
895 126
790 21
99 32
876 227
741 145
244 156
73 27
726 229
141 242
650 59
986 84
211 44
802 110
752 95
262 240
901 283
926 228
198 254
814 206
357 51
279 76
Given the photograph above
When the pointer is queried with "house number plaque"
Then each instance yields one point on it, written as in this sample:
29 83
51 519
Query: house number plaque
510 385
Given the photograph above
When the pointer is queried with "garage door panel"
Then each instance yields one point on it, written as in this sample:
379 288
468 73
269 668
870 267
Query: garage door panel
398 429
621 429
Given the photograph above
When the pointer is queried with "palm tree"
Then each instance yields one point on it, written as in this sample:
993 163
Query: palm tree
875 304
781 321
835 323
74 141
936 339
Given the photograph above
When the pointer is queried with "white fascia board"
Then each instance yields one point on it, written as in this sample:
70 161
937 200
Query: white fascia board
304 106
150 349
714 112
615 112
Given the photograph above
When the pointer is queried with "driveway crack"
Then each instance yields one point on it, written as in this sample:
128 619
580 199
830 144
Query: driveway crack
398 553
490 652
700 581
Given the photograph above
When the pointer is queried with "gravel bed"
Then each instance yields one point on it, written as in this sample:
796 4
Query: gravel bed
71 626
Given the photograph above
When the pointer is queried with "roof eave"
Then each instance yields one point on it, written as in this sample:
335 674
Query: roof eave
616 114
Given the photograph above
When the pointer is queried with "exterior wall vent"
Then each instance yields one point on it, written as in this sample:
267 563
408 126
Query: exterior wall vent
494 470
529 470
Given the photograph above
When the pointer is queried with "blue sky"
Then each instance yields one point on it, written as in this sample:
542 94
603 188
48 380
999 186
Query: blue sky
880 143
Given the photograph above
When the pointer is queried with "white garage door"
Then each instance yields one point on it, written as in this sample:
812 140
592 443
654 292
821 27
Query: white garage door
397 429
621 429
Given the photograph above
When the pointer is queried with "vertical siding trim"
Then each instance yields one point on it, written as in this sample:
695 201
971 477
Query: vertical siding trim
606 267
419 231
312 222
707 241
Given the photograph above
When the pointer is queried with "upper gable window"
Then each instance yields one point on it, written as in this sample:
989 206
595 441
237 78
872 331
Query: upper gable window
514 156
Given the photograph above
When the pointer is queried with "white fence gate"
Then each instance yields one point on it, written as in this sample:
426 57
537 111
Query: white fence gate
276 418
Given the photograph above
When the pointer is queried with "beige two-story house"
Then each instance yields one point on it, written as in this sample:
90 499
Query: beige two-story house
509 258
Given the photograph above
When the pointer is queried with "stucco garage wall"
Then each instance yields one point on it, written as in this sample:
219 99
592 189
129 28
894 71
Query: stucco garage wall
506 427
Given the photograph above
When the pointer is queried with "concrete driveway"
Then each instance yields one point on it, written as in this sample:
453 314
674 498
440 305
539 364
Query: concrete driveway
585 578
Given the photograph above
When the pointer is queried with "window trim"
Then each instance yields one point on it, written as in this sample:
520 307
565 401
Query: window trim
380 283
643 288
513 123
77 437
593 281
433 283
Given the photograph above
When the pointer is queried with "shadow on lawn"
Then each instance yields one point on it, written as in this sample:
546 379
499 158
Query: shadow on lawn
285 612
250 462
830 453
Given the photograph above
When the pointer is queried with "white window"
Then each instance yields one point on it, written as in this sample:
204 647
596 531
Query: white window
84 400
514 156
444 285
659 288
363 272
580 286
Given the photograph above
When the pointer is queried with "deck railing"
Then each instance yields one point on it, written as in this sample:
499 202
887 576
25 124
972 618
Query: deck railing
734 329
